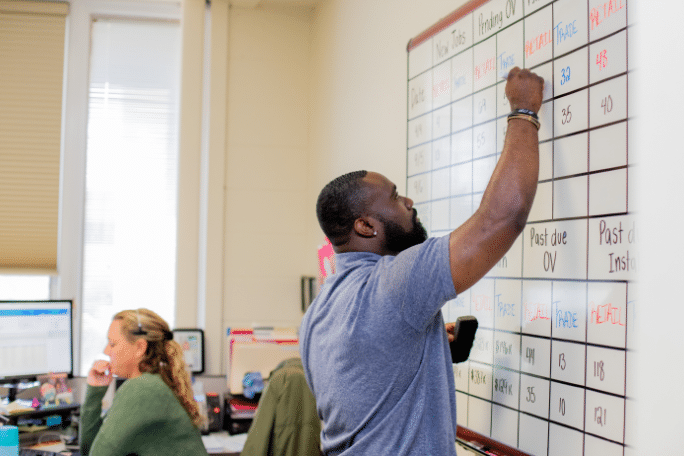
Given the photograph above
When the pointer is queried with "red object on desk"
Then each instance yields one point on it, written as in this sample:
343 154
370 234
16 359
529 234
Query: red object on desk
242 405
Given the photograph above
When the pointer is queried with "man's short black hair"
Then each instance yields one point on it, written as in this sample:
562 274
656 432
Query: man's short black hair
339 204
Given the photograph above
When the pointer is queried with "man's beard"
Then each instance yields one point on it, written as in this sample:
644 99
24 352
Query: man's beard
397 239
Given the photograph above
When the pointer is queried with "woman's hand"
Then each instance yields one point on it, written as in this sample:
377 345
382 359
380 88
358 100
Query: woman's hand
100 374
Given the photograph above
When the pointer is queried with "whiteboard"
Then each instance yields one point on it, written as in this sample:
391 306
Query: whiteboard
549 367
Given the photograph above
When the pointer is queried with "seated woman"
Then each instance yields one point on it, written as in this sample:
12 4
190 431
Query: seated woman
153 412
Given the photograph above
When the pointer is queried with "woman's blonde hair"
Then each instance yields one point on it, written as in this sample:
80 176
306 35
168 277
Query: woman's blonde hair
164 356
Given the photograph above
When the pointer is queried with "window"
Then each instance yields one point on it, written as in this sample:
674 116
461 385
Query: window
24 287
129 258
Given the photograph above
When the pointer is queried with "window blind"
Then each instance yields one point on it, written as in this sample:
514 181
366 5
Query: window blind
31 72
131 188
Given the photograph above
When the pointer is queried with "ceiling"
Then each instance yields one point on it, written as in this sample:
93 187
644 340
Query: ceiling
254 3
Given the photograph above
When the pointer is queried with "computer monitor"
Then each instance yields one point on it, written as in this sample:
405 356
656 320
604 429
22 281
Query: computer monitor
36 338
192 343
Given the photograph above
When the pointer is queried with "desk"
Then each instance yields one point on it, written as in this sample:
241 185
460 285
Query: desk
217 443
62 410
31 438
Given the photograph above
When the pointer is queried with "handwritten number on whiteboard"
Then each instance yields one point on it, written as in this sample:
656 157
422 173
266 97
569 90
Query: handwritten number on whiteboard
607 104
561 407
531 397
565 75
566 115
598 370
419 158
480 140
600 416
418 187
602 59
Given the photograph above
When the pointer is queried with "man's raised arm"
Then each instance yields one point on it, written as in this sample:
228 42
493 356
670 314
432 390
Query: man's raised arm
477 245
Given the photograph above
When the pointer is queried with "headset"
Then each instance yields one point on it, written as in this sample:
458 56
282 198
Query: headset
139 331
168 335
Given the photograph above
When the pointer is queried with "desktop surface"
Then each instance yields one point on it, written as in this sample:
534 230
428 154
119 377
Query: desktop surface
217 444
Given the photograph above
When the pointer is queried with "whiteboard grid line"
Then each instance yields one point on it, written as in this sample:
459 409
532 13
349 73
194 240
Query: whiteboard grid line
550 380
541 181
627 287
475 43
543 141
542 63
491 409
624 413
520 338
550 339
574 385
535 222
549 420
547 101
558 380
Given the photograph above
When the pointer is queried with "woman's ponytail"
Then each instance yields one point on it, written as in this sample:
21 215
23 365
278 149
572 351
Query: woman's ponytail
164 356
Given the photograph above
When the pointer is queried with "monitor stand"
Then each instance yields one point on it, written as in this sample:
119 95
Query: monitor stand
12 392
16 386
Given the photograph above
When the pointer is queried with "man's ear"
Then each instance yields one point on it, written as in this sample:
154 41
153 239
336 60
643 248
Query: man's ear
364 227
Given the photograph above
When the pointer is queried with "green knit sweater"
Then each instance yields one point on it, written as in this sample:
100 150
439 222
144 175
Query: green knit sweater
145 418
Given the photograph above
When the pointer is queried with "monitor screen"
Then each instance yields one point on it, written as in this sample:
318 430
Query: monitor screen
35 338
192 343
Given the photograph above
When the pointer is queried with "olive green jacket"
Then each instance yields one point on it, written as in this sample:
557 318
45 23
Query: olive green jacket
286 421
145 419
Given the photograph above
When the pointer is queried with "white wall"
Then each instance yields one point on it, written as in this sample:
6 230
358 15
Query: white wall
358 80
266 160
656 101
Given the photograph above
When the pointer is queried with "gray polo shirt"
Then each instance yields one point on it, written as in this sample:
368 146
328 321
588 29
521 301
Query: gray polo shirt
376 354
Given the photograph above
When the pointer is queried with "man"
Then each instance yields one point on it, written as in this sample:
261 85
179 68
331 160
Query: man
373 343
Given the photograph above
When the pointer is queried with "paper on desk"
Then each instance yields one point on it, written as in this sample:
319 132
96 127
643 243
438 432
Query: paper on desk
55 447
15 407
223 442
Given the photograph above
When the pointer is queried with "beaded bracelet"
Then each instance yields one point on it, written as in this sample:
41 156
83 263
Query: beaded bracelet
524 111
529 118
